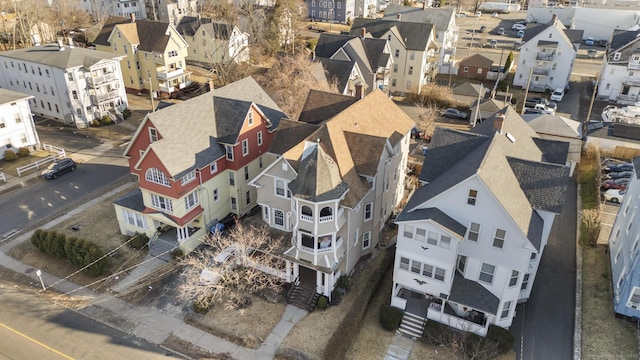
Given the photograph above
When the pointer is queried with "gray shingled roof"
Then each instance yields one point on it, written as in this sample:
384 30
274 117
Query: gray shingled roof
414 35
131 200
470 293
290 133
575 36
436 215
536 226
189 25
370 50
553 151
470 89
554 125
65 59
338 70
476 60
533 29
8 96
439 17
622 38
544 184
321 106
150 33
328 44
318 177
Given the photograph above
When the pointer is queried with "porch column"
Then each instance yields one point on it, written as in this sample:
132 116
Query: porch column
296 272
319 281
328 285
289 271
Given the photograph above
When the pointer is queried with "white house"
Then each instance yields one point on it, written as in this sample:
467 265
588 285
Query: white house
620 75
69 84
17 128
213 42
444 22
171 11
547 56
471 238
334 184
413 49
123 8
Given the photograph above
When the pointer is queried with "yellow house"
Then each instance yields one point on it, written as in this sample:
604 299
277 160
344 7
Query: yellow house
154 53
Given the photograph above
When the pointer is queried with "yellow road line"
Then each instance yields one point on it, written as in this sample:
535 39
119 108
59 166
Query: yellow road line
36 341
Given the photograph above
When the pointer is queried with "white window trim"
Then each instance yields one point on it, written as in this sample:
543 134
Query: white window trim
245 147
158 204
191 200
366 238
213 168
370 206
189 177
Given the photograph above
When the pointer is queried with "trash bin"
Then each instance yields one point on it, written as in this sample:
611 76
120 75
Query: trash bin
425 149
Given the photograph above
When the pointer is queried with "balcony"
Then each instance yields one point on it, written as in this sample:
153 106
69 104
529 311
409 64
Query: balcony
96 81
476 324
326 257
165 75
540 71
109 95
545 56
633 65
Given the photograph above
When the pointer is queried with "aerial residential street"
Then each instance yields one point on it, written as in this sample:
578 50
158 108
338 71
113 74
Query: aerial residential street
34 328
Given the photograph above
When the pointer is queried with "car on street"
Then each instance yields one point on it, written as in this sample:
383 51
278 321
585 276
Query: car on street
557 95
590 41
517 45
619 174
619 167
454 113
478 14
501 31
620 184
493 43
58 168
614 195
462 15
518 27
520 34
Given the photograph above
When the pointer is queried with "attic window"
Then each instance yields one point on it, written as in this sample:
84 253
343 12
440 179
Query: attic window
511 138
284 167
616 56
250 118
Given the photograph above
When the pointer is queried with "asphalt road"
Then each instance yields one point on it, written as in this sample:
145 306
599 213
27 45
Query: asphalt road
544 326
33 328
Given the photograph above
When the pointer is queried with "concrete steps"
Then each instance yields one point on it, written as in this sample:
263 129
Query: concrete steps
412 325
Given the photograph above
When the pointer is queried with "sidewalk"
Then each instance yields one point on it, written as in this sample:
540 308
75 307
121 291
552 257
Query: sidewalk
144 322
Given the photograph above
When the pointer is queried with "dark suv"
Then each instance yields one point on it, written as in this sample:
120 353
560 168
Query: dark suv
58 168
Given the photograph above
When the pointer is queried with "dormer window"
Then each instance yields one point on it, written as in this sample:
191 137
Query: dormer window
473 195
250 118
616 56
189 177
229 150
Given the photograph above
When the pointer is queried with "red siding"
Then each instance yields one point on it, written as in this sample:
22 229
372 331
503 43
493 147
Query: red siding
251 134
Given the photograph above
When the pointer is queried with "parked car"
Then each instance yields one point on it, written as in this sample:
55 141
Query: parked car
216 267
603 43
590 41
454 113
518 27
501 31
557 95
482 28
544 101
619 167
517 45
58 168
493 43
619 174
520 34
417 133
614 195
495 15
539 108
462 15
619 184
534 111
478 14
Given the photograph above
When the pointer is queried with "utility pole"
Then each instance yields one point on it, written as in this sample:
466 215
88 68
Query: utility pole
593 97
151 94
526 93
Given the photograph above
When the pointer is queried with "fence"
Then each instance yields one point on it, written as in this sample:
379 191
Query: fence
60 154
2 177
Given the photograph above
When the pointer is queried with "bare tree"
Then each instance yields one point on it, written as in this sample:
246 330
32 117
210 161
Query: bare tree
288 83
590 219
248 271
427 116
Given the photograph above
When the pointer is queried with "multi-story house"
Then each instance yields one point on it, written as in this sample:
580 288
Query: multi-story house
547 56
372 58
194 160
471 238
17 128
623 250
69 84
444 22
413 49
366 8
339 11
212 42
334 185
344 74
620 75
153 53
171 11
122 8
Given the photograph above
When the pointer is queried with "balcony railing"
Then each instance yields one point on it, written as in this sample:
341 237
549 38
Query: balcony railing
165 75
95 81
450 318
306 218
633 65
545 56
324 219
100 98
329 248
540 71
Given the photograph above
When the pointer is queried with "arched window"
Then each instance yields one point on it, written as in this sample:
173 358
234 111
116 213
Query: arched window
156 176
307 211
326 211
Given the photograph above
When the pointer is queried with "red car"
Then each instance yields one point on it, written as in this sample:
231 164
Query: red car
620 184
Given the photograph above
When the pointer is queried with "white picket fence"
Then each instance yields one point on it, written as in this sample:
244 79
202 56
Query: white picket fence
60 154
2 177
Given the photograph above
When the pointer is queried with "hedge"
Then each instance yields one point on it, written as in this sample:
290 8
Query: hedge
79 252
390 317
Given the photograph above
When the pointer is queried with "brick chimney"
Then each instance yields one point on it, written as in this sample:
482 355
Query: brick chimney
133 17
399 17
497 122
554 17
359 92
363 32
211 86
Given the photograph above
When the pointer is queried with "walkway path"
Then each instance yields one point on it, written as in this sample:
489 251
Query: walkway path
400 348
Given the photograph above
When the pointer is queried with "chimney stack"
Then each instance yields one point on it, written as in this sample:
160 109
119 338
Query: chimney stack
554 17
70 41
359 92
497 122
363 32
133 17
60 45
399 17
211 86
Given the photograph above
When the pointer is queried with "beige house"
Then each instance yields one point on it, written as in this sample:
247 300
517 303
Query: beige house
212 42
333 186
154 53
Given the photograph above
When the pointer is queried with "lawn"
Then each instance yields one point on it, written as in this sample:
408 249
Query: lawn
9 167
603 335
97 224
